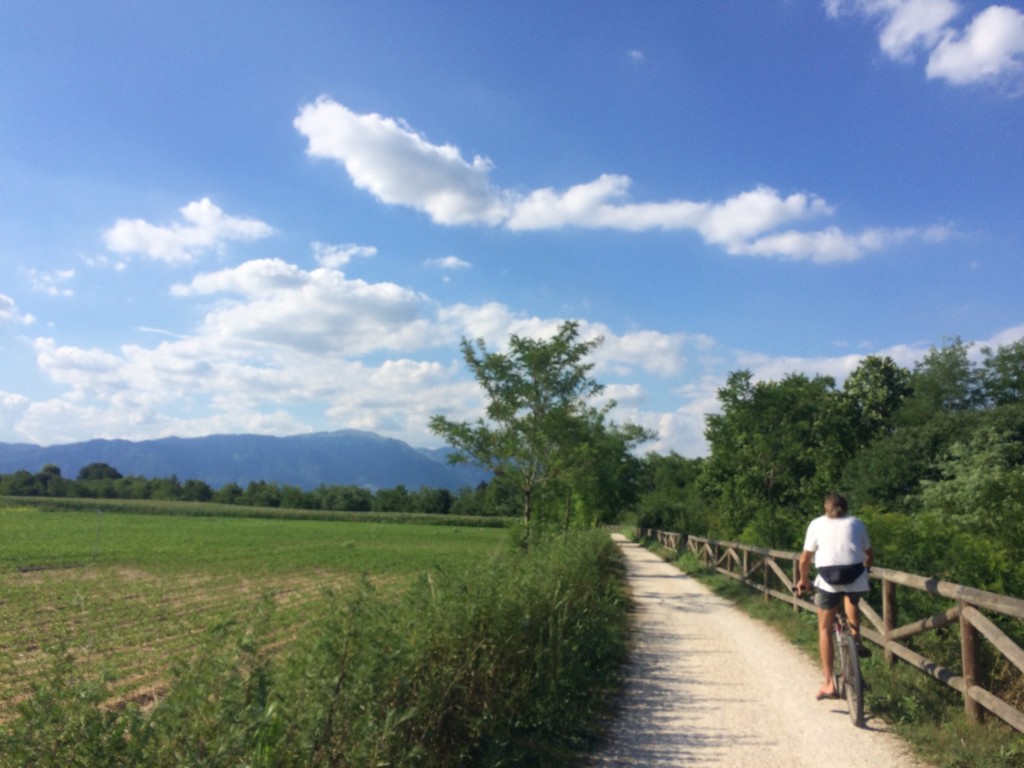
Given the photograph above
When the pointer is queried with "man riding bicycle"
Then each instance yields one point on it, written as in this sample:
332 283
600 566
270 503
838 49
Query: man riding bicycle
841 549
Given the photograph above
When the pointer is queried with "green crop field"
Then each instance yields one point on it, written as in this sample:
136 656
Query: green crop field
127 593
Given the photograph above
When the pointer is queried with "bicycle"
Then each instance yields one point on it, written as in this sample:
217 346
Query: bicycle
849 683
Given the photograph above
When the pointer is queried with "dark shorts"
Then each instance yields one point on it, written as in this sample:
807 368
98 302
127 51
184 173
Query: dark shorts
826 601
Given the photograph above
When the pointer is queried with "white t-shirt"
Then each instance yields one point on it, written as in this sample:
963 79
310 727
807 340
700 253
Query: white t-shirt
838 541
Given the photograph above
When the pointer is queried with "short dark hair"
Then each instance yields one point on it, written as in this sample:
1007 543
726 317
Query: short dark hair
835 505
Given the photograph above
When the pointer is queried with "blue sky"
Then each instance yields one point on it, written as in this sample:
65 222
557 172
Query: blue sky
282 217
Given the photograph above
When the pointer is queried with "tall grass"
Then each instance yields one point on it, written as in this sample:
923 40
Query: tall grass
507 664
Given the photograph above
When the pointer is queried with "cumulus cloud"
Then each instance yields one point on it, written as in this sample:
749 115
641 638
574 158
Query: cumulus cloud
990 48
206 227
9 312
401 167
278 340
315 311
661 354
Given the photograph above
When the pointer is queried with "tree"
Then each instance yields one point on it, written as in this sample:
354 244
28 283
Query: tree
98 471
196 490
50 481
875 392
392 500
540 422
230 493
943 382
776 449
671 498
1002 374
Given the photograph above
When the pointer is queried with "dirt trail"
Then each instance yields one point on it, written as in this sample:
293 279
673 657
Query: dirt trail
709 686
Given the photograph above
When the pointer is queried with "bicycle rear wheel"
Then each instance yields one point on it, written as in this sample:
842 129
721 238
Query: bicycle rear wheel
839 675
852 683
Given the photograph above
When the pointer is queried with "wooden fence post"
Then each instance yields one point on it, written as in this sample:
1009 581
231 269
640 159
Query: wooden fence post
764 578
796 579
969 652
888 616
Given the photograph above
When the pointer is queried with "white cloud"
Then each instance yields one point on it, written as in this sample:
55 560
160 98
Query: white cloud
657 353
52 283
1007 336
334 256
989 49
279 341
316 311
400 167
9 312
448 262
12 410
832 244
206 228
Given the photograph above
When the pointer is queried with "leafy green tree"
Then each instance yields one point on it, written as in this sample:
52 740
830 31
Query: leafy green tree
50 481
944 381
392 500
980 492
165 488
98 471
541 429
196 490
670 494
229 493
260 493
604 475
1002 374
20 483
293 497
875 391
889 471
947 393
776 449
432 501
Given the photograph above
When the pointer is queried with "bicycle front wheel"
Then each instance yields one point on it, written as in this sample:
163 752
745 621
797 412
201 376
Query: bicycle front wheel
852 683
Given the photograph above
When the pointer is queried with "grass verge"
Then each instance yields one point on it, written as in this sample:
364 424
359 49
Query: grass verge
507 664
927 714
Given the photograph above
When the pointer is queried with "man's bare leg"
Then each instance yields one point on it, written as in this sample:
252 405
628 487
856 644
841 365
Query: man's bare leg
852 618
825 650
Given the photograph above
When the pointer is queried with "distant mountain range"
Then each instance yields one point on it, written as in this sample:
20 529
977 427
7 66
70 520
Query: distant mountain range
348 457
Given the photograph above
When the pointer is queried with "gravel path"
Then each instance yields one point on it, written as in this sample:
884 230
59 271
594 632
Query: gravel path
709 686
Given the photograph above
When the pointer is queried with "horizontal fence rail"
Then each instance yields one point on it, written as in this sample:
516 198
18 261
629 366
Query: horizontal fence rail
775 573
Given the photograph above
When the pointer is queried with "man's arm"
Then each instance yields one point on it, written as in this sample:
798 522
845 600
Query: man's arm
869 558
805 571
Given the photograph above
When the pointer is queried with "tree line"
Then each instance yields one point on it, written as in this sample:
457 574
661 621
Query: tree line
931 457
102 481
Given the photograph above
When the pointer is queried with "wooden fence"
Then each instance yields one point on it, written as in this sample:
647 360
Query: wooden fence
759 568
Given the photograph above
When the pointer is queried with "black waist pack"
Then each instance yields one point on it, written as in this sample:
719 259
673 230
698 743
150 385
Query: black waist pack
839 575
